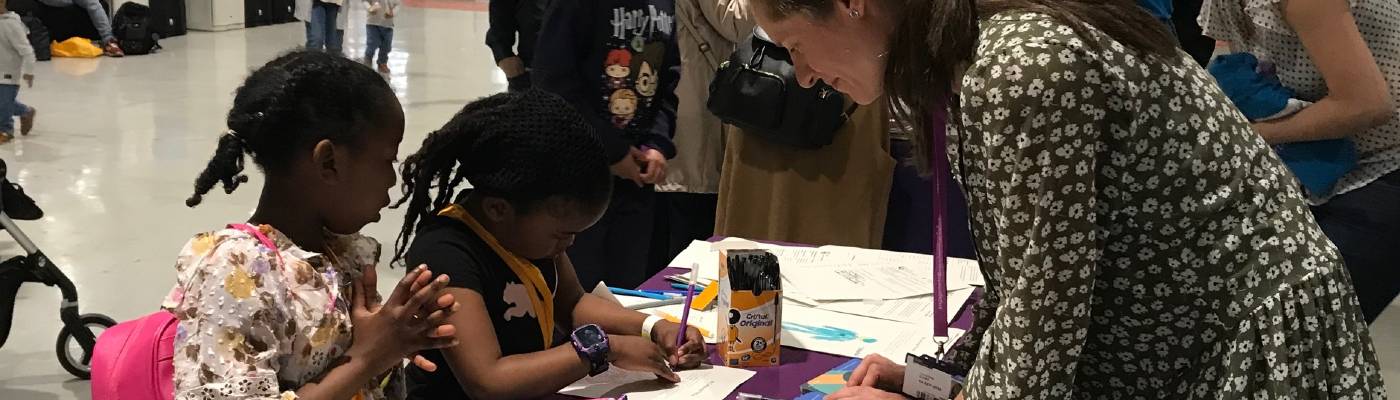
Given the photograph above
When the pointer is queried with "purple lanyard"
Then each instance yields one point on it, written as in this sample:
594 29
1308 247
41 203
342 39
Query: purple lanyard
939 137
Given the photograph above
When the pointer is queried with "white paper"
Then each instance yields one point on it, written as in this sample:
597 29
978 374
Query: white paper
704 255
961 272
860 281
704 320
705 383
856 336
916 310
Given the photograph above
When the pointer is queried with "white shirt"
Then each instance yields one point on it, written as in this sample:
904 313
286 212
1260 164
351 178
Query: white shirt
1274 41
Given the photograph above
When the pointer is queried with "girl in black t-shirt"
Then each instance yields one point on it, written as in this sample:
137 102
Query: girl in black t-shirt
538 176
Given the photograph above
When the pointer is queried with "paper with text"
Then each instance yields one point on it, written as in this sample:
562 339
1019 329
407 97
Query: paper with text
705 383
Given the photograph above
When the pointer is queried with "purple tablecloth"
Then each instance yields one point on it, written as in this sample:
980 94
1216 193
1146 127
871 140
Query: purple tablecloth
798 365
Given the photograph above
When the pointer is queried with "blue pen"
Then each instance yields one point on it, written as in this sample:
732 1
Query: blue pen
681 287
665 292
638 293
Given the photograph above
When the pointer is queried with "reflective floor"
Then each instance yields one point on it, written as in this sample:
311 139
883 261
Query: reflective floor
119 141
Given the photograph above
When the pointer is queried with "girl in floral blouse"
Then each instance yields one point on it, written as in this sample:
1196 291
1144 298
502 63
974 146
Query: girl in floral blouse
284 307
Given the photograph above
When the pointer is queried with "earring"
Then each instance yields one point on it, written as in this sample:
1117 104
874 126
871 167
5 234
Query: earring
855 14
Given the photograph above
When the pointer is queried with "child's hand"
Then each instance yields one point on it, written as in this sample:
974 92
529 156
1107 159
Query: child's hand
654 170
29 80
388 13
629 168
386 334
690 354
635 353
374 8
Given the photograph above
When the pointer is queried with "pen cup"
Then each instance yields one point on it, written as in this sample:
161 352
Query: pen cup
750 307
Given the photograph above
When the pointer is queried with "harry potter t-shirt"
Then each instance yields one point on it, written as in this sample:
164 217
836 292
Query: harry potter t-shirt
617 62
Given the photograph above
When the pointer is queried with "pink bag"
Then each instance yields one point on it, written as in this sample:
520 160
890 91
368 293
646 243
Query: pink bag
135 360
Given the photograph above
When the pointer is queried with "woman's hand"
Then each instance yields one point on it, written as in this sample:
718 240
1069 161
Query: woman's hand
690 354
654 171
409 322
878 372
864 393
635 353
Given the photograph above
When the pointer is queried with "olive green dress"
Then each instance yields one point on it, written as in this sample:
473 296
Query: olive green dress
1139 240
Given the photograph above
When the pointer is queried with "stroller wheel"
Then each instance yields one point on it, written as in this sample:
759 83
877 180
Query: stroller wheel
71 354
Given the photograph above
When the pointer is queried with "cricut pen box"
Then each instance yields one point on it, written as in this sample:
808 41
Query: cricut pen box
750 304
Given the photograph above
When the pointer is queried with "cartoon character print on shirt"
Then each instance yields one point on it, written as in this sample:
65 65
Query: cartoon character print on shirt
631 67
517 296
623 106
618 68
647 77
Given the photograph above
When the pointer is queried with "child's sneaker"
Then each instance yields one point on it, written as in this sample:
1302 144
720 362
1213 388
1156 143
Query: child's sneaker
384 68
112 49
26 121
5 137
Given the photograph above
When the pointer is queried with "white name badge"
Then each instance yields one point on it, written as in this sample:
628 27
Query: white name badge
925 378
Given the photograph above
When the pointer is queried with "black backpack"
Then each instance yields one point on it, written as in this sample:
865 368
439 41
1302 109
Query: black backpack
132 27
39 37
757 91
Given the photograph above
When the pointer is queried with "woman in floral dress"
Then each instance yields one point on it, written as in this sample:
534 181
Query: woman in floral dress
1139 240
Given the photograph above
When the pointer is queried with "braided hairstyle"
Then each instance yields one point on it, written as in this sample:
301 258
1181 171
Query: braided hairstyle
289 104
524 147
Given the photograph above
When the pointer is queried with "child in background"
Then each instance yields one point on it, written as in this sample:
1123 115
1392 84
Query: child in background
285 306
324 23
617 63
538 176
379 32
16 65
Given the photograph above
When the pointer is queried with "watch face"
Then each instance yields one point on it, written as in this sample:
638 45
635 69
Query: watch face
589 336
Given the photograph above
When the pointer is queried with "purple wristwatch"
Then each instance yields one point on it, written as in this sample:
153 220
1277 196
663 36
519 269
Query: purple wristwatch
592 346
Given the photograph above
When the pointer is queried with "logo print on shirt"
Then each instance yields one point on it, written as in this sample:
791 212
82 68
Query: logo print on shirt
516 296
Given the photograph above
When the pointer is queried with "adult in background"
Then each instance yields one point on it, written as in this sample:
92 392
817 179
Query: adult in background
1137 237
100 21
1344 56
514 30
706 31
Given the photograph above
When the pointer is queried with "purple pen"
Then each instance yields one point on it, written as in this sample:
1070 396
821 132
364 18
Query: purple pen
689 296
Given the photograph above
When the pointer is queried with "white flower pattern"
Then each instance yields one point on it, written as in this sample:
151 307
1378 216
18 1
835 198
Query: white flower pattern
1139 240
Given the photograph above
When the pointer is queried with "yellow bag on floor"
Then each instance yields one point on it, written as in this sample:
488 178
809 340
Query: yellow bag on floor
76 47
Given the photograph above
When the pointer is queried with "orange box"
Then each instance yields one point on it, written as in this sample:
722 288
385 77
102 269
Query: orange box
750 323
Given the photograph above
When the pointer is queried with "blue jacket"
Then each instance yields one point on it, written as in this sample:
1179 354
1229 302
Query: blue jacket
1318 164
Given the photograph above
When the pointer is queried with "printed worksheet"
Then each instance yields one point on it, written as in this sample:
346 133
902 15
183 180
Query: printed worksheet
705 383
918 310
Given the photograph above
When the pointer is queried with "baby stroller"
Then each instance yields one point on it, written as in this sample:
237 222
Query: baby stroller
80 331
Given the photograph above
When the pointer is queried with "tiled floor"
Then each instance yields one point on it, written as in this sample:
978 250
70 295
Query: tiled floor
119 142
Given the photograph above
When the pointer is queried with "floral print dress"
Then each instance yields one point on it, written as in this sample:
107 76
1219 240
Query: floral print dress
253 326
1139 240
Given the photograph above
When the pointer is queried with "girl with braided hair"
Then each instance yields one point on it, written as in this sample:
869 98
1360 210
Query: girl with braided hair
285 306
538 176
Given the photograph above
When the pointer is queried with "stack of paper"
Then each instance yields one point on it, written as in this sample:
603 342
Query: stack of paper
876 283
705 383
856 336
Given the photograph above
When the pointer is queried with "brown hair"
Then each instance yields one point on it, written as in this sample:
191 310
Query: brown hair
933 38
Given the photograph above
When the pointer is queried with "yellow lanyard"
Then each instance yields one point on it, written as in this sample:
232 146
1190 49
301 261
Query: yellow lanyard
540 297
